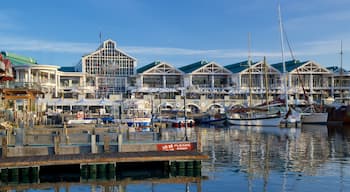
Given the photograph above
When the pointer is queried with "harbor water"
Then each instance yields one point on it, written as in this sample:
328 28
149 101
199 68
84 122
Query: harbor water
310 158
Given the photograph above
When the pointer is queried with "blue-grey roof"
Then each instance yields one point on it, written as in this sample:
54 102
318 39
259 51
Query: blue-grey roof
238 67
336 69
146 67
290 65
194 66
67 69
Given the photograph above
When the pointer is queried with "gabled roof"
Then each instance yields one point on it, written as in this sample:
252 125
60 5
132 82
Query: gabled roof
103 47
146 67
290 65
18 59
238 67
67 69
194 66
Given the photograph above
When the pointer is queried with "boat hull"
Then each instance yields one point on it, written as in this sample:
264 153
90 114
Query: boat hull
220 121
314 118
273 121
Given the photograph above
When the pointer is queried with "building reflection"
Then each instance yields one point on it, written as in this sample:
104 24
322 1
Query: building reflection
258 151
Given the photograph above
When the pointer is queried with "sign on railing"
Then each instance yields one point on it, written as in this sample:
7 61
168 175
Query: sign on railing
185 146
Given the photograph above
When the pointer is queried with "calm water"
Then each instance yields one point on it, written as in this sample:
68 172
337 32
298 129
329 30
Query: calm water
311 158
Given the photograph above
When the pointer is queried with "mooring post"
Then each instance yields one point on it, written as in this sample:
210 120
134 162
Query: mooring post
199 140
93 144
56 139
66 132
120 141
4 146
106 143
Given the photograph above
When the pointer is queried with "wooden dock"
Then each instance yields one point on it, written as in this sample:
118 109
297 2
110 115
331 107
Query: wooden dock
119 157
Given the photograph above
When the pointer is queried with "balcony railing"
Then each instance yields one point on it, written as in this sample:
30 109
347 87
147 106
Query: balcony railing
21 85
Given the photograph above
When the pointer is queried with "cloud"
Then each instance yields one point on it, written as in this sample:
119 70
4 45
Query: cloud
312 48
215 53
23 44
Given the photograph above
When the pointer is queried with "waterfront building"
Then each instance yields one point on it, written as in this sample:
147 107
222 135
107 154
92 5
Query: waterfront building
206 77
71 84
158 77
341 83
107 70
308 76
245 78
28 73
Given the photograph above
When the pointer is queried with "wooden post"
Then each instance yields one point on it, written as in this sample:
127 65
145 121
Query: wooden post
93 144
106 143
66 132
4 147
199 140
57 144
120 141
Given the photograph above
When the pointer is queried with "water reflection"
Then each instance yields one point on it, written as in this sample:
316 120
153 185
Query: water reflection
275 159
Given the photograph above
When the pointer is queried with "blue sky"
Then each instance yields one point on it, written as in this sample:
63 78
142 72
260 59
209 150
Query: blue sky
178 32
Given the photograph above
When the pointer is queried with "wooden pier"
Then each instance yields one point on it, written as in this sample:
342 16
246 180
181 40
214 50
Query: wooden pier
119 157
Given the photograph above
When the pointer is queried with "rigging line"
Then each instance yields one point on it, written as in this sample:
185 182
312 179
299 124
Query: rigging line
288 43
306 97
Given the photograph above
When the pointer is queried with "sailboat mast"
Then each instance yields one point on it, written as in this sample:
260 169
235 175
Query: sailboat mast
341 71
266 84
250 73
283 60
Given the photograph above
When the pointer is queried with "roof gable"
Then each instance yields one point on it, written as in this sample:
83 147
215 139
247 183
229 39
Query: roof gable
212 68
158 67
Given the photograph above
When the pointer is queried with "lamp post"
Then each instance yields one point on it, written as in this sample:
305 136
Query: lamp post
185 115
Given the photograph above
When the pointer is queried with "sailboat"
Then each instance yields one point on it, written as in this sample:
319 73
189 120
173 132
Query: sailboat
291 118
253 116
309 116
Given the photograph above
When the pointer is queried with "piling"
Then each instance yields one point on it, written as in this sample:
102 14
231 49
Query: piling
92 171
84 171
110 171
173 168
181 168
34 174
4 175
14 175
101 171
24 174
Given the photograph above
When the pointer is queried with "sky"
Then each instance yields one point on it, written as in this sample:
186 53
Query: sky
177 32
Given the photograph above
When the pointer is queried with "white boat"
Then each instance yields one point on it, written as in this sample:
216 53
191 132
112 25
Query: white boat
314 118
177 122
270 120
81 121
138 121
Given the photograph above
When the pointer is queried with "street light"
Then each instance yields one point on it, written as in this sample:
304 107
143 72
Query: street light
185 115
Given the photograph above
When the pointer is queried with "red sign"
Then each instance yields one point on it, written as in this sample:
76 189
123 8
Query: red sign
175 147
